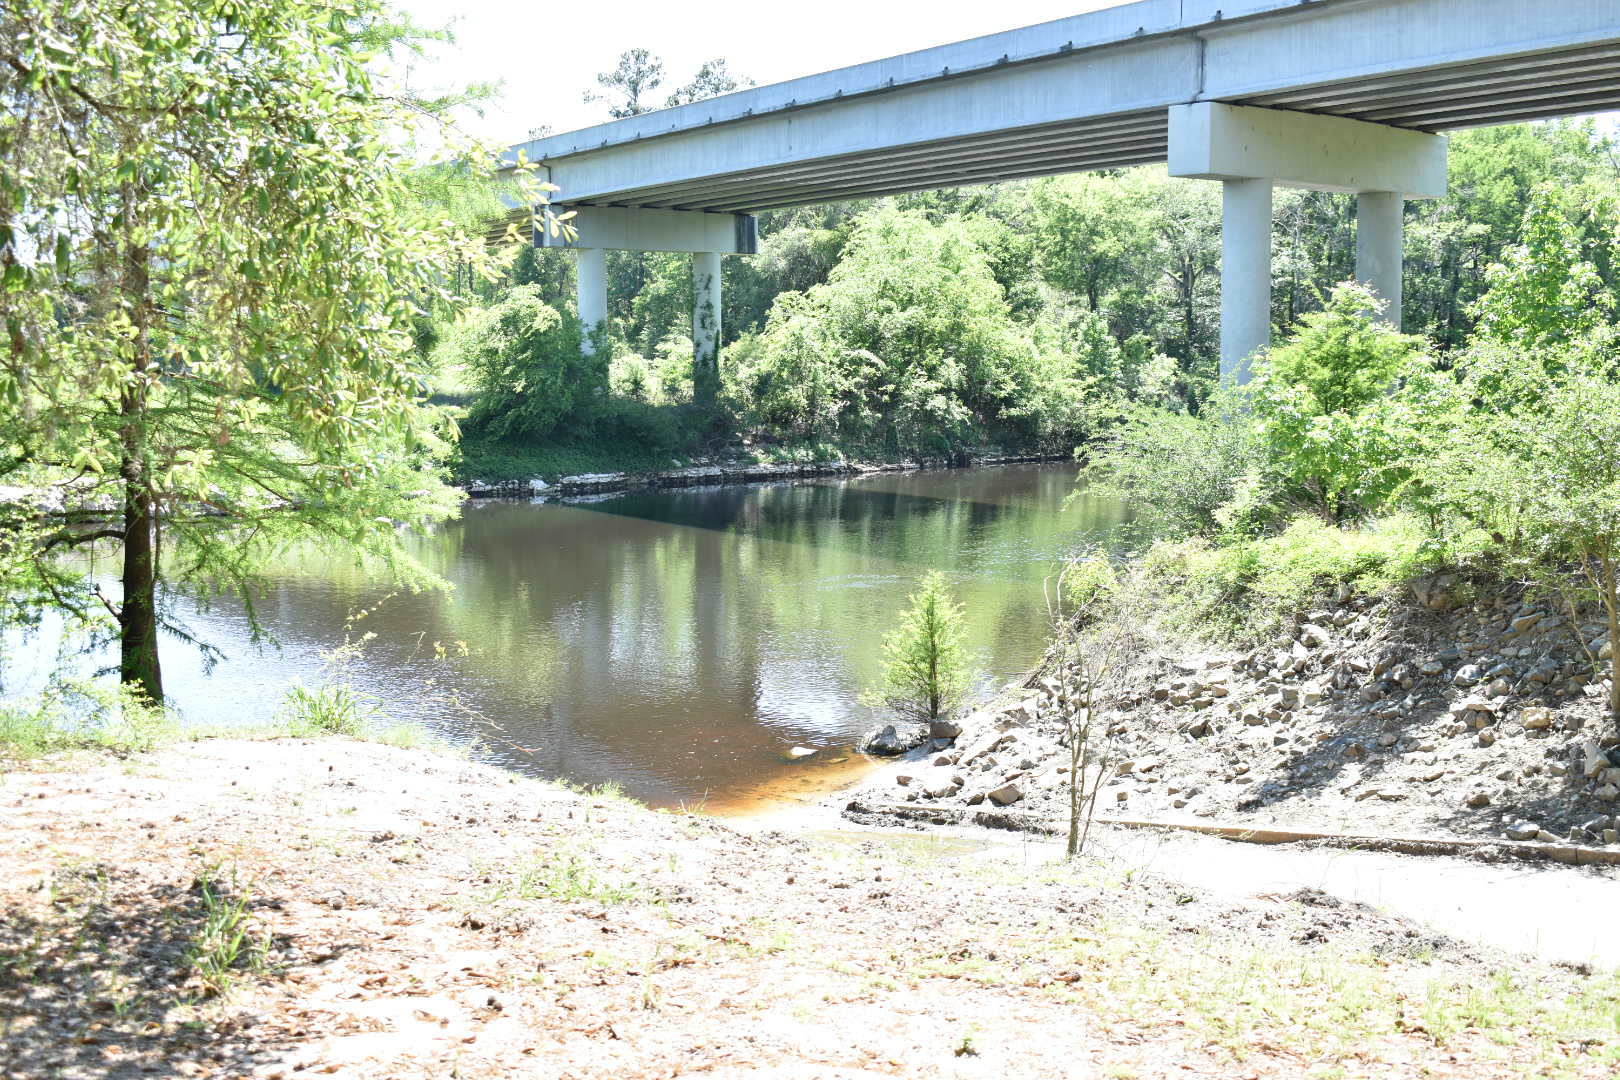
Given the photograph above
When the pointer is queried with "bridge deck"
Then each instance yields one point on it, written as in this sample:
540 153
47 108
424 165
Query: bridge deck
1091 92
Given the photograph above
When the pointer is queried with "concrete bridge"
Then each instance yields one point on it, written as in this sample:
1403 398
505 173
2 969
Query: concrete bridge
1340 95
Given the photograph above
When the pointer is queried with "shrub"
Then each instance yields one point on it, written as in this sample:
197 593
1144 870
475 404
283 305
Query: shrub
1247 586
629 375
526 362
659 430
672 368
1179 471
1337 407
788 380
1086 587
1536 463
1331 425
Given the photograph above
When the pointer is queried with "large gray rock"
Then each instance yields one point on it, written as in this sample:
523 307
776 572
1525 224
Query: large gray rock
1537 718
1314 636
1524 623
893 740
1523 830
939 782
1006 795
944 729
1593 759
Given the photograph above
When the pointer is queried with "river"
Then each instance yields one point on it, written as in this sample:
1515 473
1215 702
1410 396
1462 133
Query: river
677 644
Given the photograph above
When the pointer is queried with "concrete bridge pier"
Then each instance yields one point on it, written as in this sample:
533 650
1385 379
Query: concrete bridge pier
1380 241
705 323
590 291
1245 274
1253 149
706 236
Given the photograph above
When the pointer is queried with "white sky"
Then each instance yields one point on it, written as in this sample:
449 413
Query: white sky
547 55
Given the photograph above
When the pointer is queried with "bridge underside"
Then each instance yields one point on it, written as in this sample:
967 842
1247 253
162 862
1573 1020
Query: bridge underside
1469 95
1534 87
1338 94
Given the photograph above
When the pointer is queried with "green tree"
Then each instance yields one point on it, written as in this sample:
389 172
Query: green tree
663 305
637 74
1334 432
525 360
712 79
1182 310
798 388
1313 249
1452 242
926 673
913 333
1546 291
797 250
1094 232
210 264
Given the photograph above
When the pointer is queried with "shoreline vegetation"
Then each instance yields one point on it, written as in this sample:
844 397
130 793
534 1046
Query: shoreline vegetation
703 472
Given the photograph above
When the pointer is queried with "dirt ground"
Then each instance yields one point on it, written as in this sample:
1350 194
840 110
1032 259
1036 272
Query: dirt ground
292 907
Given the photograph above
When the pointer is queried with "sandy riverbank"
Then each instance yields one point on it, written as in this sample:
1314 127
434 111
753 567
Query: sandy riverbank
404 913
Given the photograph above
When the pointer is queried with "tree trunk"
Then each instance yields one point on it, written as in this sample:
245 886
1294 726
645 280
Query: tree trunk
137 616
138 666
1611 608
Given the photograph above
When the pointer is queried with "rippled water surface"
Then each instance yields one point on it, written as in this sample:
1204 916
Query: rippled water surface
678 644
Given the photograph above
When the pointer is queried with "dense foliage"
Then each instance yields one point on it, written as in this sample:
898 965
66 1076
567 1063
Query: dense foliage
910 342
1043 313
1334 437
525 360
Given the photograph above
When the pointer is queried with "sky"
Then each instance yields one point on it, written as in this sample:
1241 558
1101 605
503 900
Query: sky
547 55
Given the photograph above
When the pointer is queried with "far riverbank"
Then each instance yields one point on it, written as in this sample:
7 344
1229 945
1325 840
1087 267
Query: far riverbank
715 472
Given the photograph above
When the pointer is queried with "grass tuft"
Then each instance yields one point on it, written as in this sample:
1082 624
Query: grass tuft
328 709
563 876
86 715
228 941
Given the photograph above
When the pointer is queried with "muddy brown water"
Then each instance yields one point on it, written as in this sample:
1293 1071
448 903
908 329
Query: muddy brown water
678 644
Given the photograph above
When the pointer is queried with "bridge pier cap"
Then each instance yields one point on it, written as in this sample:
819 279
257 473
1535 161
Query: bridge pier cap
1211 141
1250 150
624 228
